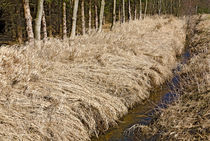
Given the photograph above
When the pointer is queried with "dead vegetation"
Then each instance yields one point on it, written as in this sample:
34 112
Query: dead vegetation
72 90
189 117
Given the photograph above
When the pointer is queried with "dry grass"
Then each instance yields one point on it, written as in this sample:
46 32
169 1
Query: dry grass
189 117
72 90
191 114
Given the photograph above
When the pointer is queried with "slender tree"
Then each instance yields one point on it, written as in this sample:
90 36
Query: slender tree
50 19
19 33
64 20
74 23
145 9
160 7
28 18
135 10
114 13
171 6
101 15
96 15
83 16
119 13
38 19
44 25
129 10
123 1
90 15
140 9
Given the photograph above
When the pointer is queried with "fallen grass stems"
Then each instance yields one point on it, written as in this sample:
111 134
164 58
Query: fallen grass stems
188 118
72 90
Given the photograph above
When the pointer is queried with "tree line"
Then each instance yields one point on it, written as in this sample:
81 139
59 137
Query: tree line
38 19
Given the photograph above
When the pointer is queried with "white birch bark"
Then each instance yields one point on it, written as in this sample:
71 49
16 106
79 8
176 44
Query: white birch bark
83 16
28 19
101 15
74 23
38 19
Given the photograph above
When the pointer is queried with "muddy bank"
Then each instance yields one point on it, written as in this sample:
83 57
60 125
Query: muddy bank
189 117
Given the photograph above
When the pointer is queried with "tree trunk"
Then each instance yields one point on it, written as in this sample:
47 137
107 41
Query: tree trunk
101 15
19 31
28 18
123 11
114 13
50 20
64 20
44 25
160 7
83 16
90 15
38 19
119 14
129 10
74 23
135 10
145 10
96 16
140 9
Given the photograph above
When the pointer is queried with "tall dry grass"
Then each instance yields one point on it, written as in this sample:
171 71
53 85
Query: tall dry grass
188 118
72 90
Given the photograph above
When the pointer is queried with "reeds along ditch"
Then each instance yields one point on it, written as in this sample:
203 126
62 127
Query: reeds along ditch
191 113
189 117
72 90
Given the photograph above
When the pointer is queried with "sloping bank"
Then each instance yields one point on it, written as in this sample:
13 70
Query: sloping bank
73 90
189 117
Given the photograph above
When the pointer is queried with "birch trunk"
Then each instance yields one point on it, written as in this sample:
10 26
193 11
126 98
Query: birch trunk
114 14
50 20
64 20
119 14
135 10
90 16
129 10
44 25
83 17
140 9
145 10
19 25
28 19
101 15
38 19
74 23
160 7
123 11
96 16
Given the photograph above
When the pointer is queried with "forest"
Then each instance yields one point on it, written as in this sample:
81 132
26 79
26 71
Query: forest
22 20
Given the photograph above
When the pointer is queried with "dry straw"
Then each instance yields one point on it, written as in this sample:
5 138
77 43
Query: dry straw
72 90
191 113
188 118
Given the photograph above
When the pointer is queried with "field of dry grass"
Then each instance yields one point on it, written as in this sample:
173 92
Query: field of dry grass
72 90
188 119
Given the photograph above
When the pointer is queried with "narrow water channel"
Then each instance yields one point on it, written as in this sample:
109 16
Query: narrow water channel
144 113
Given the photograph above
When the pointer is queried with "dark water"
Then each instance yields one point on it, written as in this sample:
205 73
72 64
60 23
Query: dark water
144 113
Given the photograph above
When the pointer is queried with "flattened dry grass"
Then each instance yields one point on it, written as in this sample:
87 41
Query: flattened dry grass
189 118
72 90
